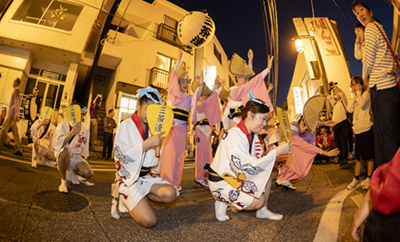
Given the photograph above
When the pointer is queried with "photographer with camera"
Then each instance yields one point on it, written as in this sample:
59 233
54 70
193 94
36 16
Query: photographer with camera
338 100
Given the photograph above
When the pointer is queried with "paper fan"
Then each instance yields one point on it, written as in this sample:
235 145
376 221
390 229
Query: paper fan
72 114
159 118
311 111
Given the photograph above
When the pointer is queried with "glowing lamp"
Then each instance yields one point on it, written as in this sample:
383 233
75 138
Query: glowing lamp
299 46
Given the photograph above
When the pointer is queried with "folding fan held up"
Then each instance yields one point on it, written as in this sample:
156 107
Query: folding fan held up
46 112
72 114
284 123
311 111
159 119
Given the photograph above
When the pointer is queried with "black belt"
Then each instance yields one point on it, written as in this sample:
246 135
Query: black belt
212 175
202 122
181 114
235 112
144 171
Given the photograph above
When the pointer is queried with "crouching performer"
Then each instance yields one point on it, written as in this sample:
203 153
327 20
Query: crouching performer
239 176
71 145
135 155
43 133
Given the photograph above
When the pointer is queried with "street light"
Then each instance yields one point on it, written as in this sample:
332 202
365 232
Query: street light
299 46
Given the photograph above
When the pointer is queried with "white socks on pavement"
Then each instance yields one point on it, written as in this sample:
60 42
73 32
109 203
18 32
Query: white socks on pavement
63 187
114 212
220 211
265 213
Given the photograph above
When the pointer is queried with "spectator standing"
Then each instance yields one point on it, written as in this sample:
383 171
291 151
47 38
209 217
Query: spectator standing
93 119
109 126
12 119
380 71
360 104
340 118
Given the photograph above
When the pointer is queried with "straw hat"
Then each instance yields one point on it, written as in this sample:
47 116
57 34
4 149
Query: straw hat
204 91
182 74
239 67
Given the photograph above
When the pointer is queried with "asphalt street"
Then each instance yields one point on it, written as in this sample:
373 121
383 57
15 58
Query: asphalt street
27 215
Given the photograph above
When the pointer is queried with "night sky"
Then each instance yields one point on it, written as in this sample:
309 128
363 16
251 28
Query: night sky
239 26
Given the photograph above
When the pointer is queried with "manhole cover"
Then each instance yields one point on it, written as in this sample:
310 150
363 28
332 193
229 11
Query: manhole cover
56 201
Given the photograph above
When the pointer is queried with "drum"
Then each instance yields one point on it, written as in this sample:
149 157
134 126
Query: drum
30 109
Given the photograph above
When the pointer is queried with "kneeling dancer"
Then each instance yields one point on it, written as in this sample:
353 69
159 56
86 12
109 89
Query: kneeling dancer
135 155
71 145
43 134
239 175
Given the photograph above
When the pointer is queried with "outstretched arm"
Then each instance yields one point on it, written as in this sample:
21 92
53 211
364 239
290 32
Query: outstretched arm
268 69
362 214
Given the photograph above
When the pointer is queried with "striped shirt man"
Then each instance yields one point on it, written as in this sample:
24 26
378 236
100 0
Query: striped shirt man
379 65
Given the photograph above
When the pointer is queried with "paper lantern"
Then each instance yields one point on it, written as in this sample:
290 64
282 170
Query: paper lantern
196 29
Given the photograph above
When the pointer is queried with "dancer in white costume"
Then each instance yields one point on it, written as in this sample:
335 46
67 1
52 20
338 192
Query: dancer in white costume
43 134
239 175
71 145
135 155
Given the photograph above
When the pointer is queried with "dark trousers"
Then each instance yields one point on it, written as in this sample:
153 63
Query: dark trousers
380 227
107 144
341 139
350 136
385 106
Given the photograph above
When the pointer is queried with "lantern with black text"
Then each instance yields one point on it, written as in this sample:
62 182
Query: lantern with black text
196 29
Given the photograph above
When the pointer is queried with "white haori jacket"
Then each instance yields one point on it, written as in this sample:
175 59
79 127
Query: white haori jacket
48 130
79 144
240 164
128 152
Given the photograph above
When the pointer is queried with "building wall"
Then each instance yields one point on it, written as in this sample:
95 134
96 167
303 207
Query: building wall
132 54
73 41
335 65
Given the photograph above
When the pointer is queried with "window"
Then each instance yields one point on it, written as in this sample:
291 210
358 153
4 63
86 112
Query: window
127 107
170 22
50 13
217 54
49 74
165 63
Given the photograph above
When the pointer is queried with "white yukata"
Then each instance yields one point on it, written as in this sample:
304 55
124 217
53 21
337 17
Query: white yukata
129 160
78 145
45 134
245 173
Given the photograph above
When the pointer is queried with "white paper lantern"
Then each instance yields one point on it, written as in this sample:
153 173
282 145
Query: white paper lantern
196 29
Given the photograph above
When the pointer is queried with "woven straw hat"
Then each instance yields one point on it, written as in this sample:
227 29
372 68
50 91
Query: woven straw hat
239 67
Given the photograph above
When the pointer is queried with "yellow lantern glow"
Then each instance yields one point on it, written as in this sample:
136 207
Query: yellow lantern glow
299 46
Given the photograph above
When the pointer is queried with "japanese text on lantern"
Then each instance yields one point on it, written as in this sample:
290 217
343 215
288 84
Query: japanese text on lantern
327 40
160 119
205 32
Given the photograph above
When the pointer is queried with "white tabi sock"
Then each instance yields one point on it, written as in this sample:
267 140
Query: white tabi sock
34 162
265 213
121 207
114 212
63 187
220 211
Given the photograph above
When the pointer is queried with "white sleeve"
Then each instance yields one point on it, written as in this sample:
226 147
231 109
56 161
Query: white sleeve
59 136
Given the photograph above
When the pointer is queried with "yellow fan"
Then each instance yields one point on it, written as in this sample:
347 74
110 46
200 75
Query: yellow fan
46 112
284 123
160 119
72 114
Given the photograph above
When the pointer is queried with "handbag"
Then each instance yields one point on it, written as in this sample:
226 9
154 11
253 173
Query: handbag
384 186
391 51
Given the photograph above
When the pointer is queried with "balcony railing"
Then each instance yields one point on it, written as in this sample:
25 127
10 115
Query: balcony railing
169 35
159 78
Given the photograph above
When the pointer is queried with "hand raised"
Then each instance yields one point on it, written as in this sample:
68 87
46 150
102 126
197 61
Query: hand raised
270 62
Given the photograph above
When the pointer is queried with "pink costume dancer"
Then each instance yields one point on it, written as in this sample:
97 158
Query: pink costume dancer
239 95
299 163
208 115
175 142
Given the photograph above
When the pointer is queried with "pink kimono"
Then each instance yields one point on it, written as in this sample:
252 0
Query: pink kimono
172 157
240 95
210 109
299 163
